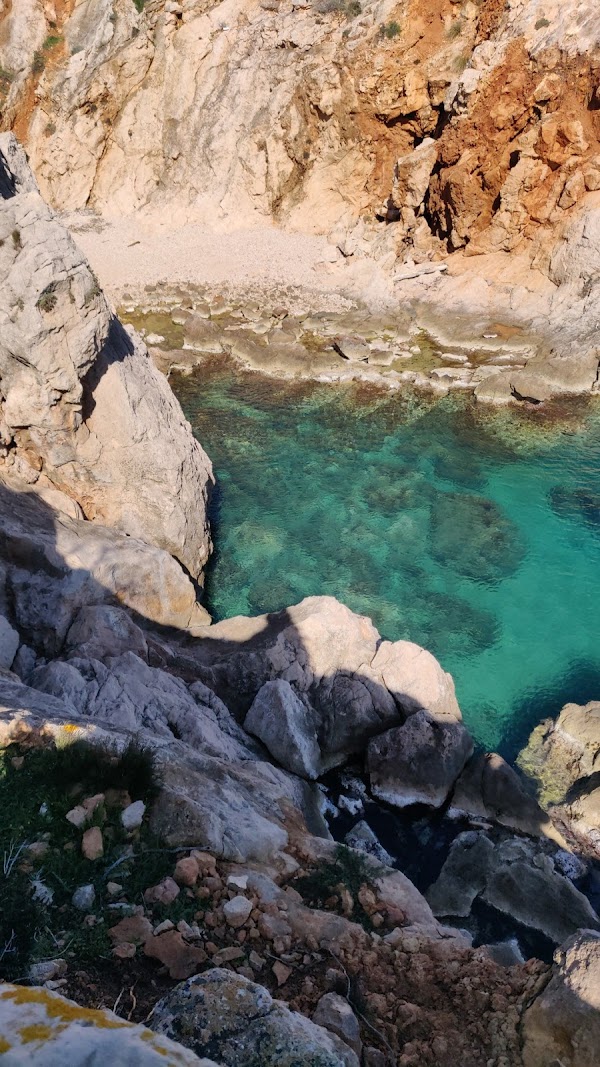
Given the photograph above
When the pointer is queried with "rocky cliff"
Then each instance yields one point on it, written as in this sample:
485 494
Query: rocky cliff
408 136
83 412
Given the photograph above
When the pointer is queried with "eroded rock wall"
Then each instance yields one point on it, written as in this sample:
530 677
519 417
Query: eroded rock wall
83 411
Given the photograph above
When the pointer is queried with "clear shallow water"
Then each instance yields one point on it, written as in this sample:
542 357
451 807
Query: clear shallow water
475 535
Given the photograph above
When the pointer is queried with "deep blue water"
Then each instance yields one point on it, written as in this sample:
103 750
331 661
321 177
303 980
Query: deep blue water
473 533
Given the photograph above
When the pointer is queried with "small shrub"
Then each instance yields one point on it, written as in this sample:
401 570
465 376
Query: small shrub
353 9
47 300
542 23
139 5
455 29
349 869
50 129
16 238
327 7
461 63
51 42
389 30
6 80
39 62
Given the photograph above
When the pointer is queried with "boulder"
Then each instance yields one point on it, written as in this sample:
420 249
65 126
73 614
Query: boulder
563 1023
517 878
227 1016
81 398
352 685
412 174
40 1027
489 788
335 1014
237 808
286 727
418 763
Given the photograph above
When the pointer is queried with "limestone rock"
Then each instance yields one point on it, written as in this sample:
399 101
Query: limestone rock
237 911
563 1023
240 1023
102 630
335 1014
92 845
561 757
84 897
412 174
132 816
352 684
283 723
418 763
489 788
45 1029
173 951
515 877
81 397
65 563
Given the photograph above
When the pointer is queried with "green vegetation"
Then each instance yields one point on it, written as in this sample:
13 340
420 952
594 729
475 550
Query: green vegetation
139 5
41 862
455 29
350 871
350 8
51 42
16 238
6 80
542 23
389 30
39 62
461 63
47 300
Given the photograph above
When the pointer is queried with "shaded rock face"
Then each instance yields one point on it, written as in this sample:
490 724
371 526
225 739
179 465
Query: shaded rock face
44 1028
82 409
51 565
314 682
227 1016
418 763
563 1023
563 758
515 877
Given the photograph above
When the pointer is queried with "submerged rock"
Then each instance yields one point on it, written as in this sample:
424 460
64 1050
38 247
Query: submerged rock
227 1016
563 1023
474 537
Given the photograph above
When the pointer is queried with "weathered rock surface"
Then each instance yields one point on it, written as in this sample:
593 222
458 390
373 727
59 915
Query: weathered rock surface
83 408
563 1023
225 1015
563 758
418 763
489 788
333 683
54 565
237 806
40 1027
334 1013
515 877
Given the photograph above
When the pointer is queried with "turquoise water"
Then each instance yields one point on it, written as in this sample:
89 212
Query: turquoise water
477 535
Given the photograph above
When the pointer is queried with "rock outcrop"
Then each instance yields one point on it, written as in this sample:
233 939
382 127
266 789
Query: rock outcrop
563 1023
408 136
40 1027
218 1013
514 876
82 408
563 758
